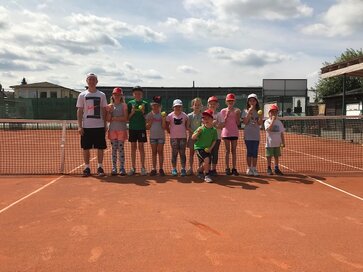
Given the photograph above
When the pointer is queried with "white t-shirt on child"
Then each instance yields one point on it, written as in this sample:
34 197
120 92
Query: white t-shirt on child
273 136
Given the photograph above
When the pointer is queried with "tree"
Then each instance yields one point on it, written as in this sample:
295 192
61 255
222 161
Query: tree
334 85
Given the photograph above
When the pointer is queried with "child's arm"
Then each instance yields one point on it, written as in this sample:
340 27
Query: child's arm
132 111
149 121
269 128
163 122
260 120
197 133
212 146
248 115
283 138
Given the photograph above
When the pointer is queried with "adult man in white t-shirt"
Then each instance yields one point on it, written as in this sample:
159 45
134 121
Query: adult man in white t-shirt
91 105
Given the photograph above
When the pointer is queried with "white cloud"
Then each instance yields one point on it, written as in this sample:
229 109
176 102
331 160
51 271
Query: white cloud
250 57
4 15
187 69
342 19
258 9
192 27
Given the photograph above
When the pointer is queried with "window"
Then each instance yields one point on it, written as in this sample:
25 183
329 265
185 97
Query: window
53 94
43 95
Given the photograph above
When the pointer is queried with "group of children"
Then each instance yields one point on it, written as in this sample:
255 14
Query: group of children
200 131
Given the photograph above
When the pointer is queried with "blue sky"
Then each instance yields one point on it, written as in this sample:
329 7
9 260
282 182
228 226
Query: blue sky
172 43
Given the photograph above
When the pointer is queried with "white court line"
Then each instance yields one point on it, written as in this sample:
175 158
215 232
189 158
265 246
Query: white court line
319 181
42 188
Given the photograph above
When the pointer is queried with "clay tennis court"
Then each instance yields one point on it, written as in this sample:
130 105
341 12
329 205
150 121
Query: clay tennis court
303 221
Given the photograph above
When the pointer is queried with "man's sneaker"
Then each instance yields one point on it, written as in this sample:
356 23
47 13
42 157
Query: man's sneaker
183 173
114 172
161 173
174 172
208 179
200 175
143 172
255 173
228 172
235 172
269 171
100 172
86 172
122 172
131 172
190 172
249 172
153 172
278 172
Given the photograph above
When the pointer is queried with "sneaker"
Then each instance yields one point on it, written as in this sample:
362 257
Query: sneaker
143 172
228 172
131 172
174 172
249 172
208 179
278 172
269 171
190 172
255 173
100 172
200 175
86 172
161 173
114 172
153 172
235 172
122 172
183 173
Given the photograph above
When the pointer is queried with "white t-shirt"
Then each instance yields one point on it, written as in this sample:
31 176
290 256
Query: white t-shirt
273 136
93 105
220 120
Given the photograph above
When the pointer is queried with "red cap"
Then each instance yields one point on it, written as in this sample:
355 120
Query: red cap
117 90
208 112
230 96
274 107
212 98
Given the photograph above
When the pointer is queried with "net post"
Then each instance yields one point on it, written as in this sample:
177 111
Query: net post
62 147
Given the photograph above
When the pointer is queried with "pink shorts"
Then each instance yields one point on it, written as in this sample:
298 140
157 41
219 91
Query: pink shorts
120 135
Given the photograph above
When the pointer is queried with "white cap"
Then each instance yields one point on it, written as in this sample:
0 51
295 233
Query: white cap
177 102
91 75
252 95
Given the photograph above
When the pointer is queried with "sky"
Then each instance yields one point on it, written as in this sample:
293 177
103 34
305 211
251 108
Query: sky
173 43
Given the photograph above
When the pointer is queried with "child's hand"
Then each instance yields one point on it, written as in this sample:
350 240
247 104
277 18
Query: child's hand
199 130
273 118
80 131
133 109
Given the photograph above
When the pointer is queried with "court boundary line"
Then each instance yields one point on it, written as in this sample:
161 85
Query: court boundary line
42 188
319 181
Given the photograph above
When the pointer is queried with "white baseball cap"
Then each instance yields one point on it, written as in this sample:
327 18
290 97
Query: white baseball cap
177 102
91 75
252 96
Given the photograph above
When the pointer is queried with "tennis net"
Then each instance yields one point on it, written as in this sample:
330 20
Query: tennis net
319 145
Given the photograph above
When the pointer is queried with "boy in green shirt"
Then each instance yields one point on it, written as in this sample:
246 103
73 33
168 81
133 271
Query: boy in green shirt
206 137
137 109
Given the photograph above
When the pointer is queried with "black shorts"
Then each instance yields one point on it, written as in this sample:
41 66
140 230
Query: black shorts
93 138
137 136
202 155
230 138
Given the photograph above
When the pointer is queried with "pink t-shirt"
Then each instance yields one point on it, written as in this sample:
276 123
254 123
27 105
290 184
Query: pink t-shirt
177 123
230 125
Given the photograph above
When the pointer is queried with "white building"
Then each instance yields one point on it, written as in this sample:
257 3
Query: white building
43 90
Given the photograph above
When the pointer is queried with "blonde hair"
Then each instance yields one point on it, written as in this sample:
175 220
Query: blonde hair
121 100
196 100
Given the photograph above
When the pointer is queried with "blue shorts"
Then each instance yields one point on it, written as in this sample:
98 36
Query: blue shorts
252 148
157 141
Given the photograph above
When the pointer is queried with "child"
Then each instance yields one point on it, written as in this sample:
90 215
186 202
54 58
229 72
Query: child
231 117
155 121
274 139
117 131
91 113
177 123
206 137
137 108
252 118
195 120
218 123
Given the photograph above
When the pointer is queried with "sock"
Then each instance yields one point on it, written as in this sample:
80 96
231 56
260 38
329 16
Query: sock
86 166
99 165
